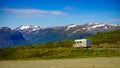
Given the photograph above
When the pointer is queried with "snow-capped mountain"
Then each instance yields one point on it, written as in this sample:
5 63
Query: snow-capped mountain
100 27
35 34
27 28
57 33
91 26
86 27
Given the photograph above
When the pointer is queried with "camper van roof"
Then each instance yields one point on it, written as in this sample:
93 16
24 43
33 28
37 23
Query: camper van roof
80 39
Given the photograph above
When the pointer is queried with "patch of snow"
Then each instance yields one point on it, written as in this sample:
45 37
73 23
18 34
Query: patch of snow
24 27
34 29
76 30
70 26
114 25
89 28
94 23
99 25
95 26
83 28
106 27
30 27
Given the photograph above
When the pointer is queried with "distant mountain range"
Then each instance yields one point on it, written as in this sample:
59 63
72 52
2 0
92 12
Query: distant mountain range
29 34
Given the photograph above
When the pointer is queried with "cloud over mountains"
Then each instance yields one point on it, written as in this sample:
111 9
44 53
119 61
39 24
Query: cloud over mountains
33 11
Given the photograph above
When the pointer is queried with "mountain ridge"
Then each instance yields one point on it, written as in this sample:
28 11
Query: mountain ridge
36 34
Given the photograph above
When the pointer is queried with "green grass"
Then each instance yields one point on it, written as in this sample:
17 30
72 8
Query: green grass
106 39
57 53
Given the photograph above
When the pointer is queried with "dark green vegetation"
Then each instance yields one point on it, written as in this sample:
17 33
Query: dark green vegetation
104 45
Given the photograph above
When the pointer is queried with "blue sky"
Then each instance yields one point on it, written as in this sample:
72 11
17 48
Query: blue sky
44 13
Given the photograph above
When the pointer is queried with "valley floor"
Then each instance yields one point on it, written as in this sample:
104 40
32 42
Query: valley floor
101 62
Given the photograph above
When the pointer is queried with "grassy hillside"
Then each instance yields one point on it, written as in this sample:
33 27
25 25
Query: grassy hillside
106 39
104 45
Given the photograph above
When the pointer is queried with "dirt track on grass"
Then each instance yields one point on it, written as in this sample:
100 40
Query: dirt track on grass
64 63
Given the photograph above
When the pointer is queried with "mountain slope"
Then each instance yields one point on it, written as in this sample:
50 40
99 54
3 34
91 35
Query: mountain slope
9 37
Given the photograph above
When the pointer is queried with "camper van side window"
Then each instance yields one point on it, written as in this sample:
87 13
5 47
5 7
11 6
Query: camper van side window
80 42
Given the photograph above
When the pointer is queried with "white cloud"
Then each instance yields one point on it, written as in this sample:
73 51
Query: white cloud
57 13
33 11
68 7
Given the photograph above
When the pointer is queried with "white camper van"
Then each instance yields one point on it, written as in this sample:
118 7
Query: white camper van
82 43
